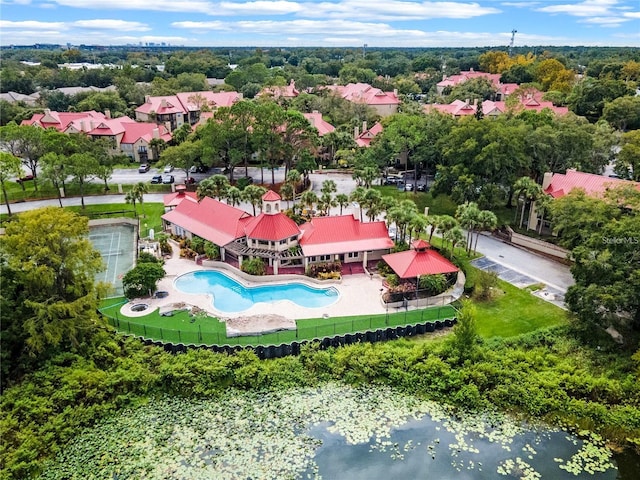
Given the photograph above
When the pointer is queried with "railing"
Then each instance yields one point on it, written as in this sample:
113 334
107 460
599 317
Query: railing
358 329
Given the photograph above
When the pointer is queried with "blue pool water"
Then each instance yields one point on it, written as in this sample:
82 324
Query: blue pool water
231 296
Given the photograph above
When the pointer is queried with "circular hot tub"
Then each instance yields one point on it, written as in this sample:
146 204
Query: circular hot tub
139 307
161 294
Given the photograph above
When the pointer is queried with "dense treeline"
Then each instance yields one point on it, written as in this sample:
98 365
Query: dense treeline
547 375
612 73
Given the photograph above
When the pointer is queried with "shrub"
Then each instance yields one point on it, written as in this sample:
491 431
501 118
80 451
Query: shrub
383 268
211 250
165 247
315 269
254 266
146 257
485 285
142 279
197 245
393 280
434 284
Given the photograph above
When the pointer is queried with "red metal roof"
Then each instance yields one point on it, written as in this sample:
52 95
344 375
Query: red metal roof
271 196
209 219
342 234
173 199
411 263
315 119
271 227
593 185
420 244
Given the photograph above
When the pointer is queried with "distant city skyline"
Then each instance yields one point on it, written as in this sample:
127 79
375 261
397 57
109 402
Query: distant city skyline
328 23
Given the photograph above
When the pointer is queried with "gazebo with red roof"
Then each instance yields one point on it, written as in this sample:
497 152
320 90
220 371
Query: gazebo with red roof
421 260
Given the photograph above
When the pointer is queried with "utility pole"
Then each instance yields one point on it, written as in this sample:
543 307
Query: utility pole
513 37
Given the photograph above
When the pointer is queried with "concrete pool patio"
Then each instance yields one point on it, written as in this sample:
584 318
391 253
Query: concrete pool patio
359 294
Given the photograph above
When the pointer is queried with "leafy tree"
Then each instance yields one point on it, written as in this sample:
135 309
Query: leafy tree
309 199
552 75
623 113
465 333
53 171
233 196
606 256
82 167
9 167
182 156
25 142
54 265
479 89
467 215
102 101
136 194
141 280
589 97
627 164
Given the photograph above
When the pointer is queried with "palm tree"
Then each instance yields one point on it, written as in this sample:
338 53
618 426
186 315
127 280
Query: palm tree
358 196
139 190
308 199
527 189
233 196
157 145
287 192
433 221
455 236
342 200
215 186
417 224
372 201
253 194
467 214
487 220
543 205
447 223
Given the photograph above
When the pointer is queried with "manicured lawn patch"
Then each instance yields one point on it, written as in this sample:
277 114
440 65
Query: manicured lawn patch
148 213
516 312
440 205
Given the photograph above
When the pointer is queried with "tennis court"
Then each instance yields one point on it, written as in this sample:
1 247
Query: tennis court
116 240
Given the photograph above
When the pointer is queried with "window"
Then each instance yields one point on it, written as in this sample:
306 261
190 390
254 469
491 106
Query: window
353 254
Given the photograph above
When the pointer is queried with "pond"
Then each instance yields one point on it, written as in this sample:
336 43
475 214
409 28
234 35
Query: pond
332 432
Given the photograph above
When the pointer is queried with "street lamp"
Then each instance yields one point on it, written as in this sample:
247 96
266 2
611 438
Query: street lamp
417 286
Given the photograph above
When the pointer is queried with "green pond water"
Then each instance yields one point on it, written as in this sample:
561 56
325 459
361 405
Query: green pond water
333 432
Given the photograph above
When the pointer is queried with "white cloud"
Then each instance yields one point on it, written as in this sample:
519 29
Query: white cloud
215 25
105 24
520 4
260 7
631 15
31 25
396 10
605 21
159 5
587 8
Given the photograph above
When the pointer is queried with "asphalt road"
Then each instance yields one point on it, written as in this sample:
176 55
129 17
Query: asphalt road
541 269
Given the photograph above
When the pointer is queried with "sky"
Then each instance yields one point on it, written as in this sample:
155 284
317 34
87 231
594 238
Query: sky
282 23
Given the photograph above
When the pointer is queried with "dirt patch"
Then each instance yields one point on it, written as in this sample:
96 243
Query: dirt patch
257 324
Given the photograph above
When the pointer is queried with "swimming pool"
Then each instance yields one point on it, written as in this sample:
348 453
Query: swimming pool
231 296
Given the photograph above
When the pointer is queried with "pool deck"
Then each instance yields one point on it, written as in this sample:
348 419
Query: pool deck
359 295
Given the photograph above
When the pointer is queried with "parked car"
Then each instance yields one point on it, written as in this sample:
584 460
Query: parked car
26 178
143 168
156 179
408 187
421 187
167 179
198 169
190 181
168 169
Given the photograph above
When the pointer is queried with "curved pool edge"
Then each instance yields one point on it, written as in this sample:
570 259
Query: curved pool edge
256 282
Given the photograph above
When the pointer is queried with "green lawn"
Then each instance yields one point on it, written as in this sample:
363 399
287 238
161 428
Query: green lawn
149 214
182 328
15 192
440 205
515 312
